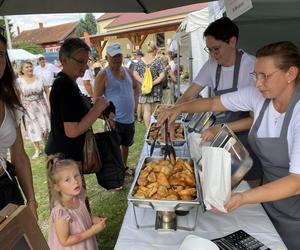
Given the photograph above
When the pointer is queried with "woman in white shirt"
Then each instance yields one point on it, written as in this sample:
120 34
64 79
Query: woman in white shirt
11 112
274 136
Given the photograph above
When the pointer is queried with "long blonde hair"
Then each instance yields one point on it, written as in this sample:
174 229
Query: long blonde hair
55 164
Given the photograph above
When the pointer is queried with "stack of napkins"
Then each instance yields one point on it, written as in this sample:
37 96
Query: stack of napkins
216 177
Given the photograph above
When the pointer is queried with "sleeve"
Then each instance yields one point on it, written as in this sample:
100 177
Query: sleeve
58 212
204 76
241 100
87 76
295 152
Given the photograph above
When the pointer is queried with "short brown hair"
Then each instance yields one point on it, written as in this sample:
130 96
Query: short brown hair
285 54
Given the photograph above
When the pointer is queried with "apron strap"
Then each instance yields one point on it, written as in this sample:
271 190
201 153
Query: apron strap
289 112
236 72
260 117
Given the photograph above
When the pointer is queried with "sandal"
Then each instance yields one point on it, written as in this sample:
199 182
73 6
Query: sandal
128 171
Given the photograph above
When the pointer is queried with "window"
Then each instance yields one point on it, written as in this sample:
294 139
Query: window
160 40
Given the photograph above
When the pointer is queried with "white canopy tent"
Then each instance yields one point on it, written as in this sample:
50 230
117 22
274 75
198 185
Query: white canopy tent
20 54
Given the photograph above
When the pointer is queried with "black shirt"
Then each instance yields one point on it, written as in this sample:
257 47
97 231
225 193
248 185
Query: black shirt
66 106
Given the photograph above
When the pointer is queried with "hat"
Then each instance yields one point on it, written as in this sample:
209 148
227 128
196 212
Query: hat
41 56
140 54
114 49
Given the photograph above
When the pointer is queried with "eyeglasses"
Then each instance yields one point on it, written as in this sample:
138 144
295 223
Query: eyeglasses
263 77
214 50
83 63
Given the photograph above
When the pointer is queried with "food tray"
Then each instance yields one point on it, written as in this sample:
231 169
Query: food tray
165 205
176 142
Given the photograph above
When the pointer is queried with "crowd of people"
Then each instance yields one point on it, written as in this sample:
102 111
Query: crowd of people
257 97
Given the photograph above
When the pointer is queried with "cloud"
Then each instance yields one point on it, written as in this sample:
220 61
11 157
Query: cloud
27 22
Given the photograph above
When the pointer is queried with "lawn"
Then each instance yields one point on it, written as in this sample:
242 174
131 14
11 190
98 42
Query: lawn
111 204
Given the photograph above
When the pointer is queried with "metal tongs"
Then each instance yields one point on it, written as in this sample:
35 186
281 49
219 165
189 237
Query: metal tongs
169 150
154 141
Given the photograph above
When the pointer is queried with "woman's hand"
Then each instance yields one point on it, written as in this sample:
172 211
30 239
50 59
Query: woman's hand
210 133
100 104
169 113
236 200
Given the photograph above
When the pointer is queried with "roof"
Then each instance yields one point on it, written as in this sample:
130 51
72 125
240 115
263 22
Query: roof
108 16
129 18
46 34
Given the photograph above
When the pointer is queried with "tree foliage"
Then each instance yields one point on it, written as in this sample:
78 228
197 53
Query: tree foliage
2 25
88 24
32 48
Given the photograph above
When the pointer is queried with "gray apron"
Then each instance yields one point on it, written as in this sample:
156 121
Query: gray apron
229 116
273 153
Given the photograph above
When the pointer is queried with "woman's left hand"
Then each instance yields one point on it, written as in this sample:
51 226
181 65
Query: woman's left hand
209 133
236 200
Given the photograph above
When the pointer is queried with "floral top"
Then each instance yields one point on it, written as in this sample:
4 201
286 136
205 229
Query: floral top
156 67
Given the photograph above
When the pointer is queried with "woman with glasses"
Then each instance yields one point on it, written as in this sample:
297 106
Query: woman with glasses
227 70
11 112
70 115
274 136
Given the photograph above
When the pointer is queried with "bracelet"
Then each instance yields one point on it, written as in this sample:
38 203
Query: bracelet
78 237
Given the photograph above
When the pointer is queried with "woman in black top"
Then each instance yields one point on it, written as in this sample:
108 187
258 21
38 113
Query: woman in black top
70 116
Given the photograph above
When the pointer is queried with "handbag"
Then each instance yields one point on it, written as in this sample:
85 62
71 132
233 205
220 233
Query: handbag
9 188
112 172
91 159
147 82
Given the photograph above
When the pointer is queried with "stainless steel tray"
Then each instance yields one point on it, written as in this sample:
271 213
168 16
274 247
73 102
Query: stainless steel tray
201 121
241 161
165 205
159 142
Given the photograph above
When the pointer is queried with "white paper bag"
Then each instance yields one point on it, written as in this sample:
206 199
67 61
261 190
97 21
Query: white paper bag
195 145
216 177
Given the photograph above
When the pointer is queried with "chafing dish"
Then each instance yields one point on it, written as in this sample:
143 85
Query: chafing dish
165 205
160 141
241 161
166 210
201 121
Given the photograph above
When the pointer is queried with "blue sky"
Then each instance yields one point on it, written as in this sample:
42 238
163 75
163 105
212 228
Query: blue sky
26 22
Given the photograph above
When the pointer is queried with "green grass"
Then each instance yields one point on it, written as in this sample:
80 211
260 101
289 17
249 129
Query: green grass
111 204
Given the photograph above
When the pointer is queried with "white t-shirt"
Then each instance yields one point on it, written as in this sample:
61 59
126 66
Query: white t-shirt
47 72
250 99
8 133
88 76
207 74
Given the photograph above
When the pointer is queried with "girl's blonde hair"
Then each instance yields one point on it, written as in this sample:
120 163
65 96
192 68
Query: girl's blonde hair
151 47
55 164
22 65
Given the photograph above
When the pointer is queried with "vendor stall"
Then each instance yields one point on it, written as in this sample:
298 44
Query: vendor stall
141 230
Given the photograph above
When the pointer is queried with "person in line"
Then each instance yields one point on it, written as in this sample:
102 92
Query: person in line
46 70
227 70
70 117
274 135
71 224
168 95
86 83
33 91
139 111
11 112
157 71
118 85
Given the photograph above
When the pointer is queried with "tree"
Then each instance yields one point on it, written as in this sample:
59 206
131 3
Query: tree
2 25
32 48
88 24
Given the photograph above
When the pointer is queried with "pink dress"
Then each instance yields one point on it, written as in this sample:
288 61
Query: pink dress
79 221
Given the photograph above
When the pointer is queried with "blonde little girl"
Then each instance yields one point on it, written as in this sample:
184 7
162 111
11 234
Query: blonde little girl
71 225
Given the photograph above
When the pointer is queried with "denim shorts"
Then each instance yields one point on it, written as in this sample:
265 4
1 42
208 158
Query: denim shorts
126 132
